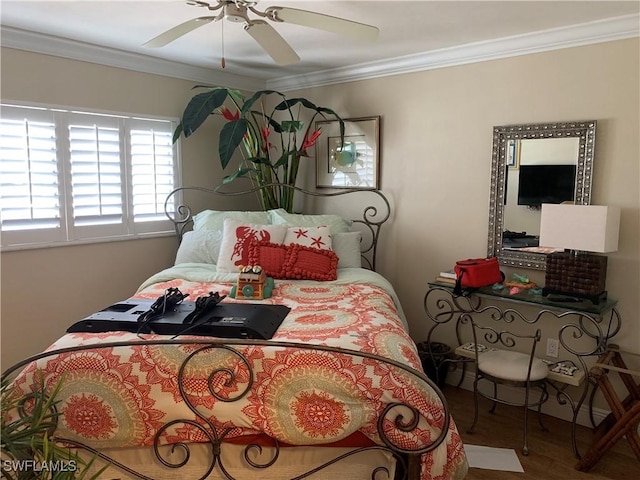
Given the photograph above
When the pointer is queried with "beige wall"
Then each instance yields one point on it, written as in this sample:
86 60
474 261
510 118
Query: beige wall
436 139
435 151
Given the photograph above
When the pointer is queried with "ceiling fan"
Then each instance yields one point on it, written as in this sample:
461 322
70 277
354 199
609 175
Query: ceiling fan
261 31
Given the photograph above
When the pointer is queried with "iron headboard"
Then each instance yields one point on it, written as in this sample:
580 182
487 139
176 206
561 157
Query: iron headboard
374 214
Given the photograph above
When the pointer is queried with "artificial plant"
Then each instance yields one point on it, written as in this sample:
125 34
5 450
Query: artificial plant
29 448
272 141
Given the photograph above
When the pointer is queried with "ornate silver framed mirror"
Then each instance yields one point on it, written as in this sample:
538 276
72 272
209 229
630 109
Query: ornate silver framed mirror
534 164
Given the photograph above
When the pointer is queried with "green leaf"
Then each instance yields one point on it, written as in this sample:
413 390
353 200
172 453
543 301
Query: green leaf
177 132
324 110
230 137
200 107
272 123
259 160
291 102
292 125
275 125
249 103
242 172
283 161
236 95
341 129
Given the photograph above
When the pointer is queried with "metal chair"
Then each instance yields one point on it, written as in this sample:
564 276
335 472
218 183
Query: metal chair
499 361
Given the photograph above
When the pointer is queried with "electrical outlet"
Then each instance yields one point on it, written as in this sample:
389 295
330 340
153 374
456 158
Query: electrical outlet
552 347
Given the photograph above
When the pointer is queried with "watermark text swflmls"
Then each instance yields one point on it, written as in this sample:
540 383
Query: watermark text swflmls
36 466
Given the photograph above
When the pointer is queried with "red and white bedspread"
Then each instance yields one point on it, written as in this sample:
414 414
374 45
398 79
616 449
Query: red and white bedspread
123 396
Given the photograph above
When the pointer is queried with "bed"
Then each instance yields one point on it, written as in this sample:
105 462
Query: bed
338 389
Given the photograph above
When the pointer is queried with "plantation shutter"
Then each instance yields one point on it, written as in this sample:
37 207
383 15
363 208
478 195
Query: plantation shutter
96 173
153 173
29 174
69 176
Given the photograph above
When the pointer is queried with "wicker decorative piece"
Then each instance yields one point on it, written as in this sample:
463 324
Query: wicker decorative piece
578 275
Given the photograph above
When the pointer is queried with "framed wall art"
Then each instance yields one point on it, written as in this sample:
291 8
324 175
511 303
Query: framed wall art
513 153
354 163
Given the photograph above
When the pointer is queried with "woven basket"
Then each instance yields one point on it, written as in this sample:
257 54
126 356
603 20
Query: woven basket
581 275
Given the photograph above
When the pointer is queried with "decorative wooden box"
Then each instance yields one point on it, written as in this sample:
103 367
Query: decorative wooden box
578 275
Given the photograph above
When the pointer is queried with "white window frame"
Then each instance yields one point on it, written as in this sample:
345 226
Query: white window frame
68 233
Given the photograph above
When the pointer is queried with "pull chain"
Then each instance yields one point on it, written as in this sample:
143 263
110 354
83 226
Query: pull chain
223 63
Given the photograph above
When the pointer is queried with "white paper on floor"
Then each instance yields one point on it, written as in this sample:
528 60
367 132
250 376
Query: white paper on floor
493 458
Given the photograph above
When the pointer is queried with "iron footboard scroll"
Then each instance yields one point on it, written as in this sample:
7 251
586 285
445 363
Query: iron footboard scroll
232 378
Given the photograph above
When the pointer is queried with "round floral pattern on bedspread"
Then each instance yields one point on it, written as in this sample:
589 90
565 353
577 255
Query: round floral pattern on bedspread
162 364
93 416
312 293
392 345
118 409
306 398
313 324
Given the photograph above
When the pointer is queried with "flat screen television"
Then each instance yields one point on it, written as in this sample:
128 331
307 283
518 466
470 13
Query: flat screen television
538 184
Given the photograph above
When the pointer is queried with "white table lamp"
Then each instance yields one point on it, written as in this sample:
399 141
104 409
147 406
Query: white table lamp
582 229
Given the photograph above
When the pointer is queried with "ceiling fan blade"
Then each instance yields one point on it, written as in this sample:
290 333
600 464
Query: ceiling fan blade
178 31
272 42
324 22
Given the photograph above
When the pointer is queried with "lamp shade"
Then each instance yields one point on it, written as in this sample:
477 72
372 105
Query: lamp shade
590 228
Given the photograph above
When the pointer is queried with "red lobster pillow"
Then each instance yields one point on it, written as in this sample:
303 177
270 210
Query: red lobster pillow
236 240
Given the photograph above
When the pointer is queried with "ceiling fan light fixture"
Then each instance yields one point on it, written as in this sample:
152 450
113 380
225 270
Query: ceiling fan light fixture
236 14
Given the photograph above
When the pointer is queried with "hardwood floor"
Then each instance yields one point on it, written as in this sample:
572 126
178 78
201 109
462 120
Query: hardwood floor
550 453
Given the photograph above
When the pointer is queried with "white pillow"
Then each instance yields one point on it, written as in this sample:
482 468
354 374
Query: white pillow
316 237
336 223
214 219
236 238
347 247
199 247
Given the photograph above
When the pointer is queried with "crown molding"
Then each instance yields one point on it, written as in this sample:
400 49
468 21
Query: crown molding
618 28
86 52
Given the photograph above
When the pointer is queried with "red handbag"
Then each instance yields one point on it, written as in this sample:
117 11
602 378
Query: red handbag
477 272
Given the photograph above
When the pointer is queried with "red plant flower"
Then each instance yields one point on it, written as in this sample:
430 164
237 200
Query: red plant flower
310 140
226 113
266 131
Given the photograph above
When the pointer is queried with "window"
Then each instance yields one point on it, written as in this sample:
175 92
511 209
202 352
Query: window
68 176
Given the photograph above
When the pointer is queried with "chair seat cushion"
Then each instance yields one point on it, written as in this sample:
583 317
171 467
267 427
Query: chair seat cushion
511 365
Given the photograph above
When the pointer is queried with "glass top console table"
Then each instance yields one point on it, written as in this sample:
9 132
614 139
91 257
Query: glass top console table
582 328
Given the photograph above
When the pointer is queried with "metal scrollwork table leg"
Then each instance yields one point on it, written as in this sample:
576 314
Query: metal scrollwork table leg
442 307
